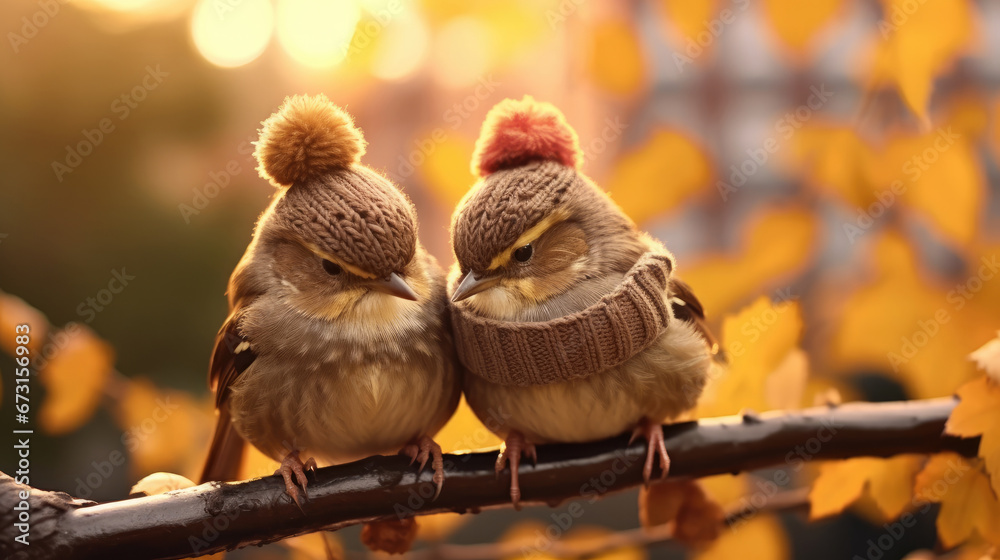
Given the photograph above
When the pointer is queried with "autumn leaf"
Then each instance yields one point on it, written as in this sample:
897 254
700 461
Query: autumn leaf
763 535
615 61
690 18
757 340
834 159
889 482
776 245
968 505
978 414
697 518
74 379
15 311
659 174
798 24
987 357
917 44
160 426
464 432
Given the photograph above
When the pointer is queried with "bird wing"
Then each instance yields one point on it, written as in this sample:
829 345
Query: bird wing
232 356
686 307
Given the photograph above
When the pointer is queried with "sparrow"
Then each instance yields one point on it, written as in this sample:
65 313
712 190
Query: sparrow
337 345
568 319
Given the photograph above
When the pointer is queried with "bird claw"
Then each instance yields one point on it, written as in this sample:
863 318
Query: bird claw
425 449
291 466
513 449
653 433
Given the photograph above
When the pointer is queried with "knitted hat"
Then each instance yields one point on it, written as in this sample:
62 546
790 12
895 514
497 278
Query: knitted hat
311 151
528 158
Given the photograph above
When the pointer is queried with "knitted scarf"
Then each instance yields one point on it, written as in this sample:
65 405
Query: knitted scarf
604 335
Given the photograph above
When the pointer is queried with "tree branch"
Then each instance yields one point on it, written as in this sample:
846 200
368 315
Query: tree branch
220 516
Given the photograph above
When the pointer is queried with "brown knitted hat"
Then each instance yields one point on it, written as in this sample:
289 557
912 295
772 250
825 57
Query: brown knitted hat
311 150
527 156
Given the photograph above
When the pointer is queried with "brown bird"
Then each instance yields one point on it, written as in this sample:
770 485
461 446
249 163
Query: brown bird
337 345
568 318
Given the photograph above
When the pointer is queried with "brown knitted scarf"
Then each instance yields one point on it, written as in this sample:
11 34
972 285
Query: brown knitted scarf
606 334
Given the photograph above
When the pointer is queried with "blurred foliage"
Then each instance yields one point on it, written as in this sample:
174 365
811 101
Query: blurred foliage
831 239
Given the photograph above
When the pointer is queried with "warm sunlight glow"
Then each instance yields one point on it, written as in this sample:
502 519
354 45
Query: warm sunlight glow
317 32
461 52
231 36
125 5
402 47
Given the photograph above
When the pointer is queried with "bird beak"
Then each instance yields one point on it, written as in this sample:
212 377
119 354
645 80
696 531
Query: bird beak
394 285
472 285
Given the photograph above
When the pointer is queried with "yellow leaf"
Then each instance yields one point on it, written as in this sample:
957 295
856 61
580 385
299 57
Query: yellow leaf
786 385
442 160
464 432
659 175
776 245
889 482
834 159
900 323
978 414
968 505
757 340
160 426
15 311
919 43
691 19
160 483
797 24
74 378
939 176
987 357
615 60
762 537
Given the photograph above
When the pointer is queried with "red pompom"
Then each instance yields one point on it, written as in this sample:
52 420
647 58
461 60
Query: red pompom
520 132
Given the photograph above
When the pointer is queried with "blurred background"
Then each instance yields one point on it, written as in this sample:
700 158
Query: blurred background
825 172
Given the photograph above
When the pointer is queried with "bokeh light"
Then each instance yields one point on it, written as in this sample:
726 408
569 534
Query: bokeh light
462 52
231 36
317 32
402 47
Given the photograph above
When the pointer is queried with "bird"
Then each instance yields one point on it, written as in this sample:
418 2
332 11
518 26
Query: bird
337 345
569 322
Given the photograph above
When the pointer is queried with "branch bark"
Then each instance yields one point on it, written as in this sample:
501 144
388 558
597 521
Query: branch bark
219 516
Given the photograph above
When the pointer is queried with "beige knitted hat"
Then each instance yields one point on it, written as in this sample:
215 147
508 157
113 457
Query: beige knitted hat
311 151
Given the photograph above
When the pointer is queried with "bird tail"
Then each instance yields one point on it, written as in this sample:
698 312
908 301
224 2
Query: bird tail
226 452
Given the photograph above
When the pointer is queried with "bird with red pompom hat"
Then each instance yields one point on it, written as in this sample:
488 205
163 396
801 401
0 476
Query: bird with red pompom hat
569 322
337 344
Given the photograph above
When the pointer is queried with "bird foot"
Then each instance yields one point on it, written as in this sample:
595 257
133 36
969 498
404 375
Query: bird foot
513 449
423 449
653 433
291 466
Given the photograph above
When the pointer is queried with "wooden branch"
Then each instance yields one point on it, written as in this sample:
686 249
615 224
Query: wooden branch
220 516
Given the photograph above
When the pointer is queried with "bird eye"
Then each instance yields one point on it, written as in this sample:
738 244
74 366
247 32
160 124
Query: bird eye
331 267
524 253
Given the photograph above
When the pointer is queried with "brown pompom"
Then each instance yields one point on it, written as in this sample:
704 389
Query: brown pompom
308 137
520 132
